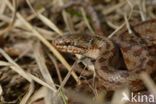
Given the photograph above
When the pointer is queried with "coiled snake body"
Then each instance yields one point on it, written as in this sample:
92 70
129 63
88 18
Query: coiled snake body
119 60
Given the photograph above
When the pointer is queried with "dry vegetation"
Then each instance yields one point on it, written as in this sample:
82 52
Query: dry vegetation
33 72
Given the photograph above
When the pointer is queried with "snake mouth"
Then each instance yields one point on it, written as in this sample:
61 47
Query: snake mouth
69 47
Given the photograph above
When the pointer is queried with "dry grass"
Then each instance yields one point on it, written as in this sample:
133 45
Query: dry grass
33 70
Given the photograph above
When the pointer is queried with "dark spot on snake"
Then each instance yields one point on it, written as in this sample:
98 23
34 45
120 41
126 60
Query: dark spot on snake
106 53
101 60
142 62
126 49
105 68
150 63
136 85
140 70
138 52
110 60
127 61
149 30
107 45
122 37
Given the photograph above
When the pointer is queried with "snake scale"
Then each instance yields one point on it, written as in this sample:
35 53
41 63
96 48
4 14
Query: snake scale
120 59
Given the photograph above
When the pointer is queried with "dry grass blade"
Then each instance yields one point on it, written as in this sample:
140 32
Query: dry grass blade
46 20
18 69
38 53
113 8
27 76
41 64
66 18
5 18
148 82
66 78
1 91
113 33
10 26
127 24
86 21
41 93
68 21
27 96
3 63
50 24
142 9
56 66
15 66
41 82
2 6
45 42
21 72
112 25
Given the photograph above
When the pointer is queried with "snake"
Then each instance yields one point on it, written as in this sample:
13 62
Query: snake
119 60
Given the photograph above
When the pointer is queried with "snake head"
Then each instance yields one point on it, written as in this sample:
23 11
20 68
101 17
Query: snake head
83 44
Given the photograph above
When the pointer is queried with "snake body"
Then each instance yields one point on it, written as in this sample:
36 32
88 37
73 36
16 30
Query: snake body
119 60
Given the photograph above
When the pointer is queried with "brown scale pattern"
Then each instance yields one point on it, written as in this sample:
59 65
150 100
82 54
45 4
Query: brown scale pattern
134 49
